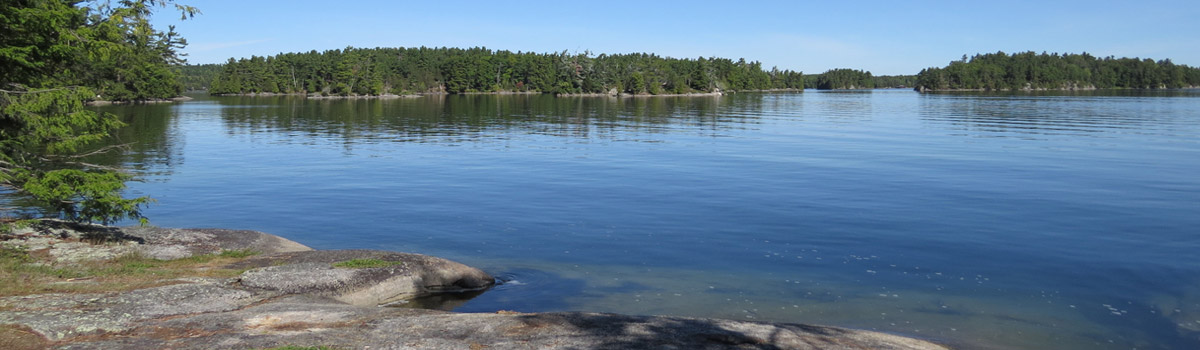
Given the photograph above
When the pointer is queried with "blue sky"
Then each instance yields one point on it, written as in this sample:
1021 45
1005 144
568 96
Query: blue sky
884 37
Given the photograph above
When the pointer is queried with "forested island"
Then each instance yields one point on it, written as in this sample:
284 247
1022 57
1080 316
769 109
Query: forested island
198 76
1031 71
846 78
450 70
379 71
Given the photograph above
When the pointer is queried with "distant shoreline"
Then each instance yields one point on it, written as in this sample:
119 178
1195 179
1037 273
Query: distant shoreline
415 95
923 89
152 101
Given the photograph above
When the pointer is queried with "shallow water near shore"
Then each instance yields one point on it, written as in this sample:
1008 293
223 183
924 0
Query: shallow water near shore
984 221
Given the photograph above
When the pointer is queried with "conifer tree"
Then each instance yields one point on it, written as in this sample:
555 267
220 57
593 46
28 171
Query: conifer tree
55 55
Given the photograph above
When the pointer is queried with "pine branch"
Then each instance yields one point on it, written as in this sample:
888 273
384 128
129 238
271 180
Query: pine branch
102 150
83 164
27 91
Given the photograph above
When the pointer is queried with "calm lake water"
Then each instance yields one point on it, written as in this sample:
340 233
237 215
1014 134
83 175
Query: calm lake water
984 221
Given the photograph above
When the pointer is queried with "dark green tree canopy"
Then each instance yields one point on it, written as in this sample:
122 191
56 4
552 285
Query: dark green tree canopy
359 71
198 76
845 78
109 47
1028 70
34 47
54 56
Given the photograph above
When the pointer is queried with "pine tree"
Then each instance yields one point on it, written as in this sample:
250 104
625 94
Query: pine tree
50 50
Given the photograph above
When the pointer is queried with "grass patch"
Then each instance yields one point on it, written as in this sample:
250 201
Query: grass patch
365 263
238 253
10 253
24 273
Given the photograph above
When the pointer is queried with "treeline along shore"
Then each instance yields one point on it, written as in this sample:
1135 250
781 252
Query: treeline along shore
1031 71
423 70
384 71
405 71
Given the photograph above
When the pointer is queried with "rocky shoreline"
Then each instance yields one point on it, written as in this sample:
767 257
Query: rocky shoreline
151 101
287 294
1067 87
498 93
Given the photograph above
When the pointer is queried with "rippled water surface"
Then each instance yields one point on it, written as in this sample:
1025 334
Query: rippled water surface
1027 221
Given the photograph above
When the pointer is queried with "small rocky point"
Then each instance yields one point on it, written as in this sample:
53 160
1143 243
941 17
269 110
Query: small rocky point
292 295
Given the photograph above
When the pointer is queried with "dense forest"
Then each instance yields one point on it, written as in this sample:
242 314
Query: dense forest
833 76
895 81
1030 71
845 79
199 76
377 71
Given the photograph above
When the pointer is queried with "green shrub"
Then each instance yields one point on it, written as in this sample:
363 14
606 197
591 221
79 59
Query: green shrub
365 263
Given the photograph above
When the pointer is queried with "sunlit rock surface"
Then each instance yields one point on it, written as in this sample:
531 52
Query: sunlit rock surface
293 295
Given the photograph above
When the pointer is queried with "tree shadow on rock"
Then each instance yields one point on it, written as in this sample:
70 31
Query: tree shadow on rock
611 331
85 232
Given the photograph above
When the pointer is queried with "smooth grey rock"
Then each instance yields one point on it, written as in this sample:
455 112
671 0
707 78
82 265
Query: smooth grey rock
311 321
412 275
95 242
294 296
174 243
80 251
59 316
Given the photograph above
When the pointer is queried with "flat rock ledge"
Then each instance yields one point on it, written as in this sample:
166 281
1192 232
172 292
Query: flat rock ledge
291 295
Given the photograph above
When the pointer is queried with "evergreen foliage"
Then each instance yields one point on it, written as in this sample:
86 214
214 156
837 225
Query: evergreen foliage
125 59
54 56
1027 71
360 71
876 81
198 76
845 78
111 49
895 81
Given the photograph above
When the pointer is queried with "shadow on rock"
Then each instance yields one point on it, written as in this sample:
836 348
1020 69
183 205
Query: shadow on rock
612 331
